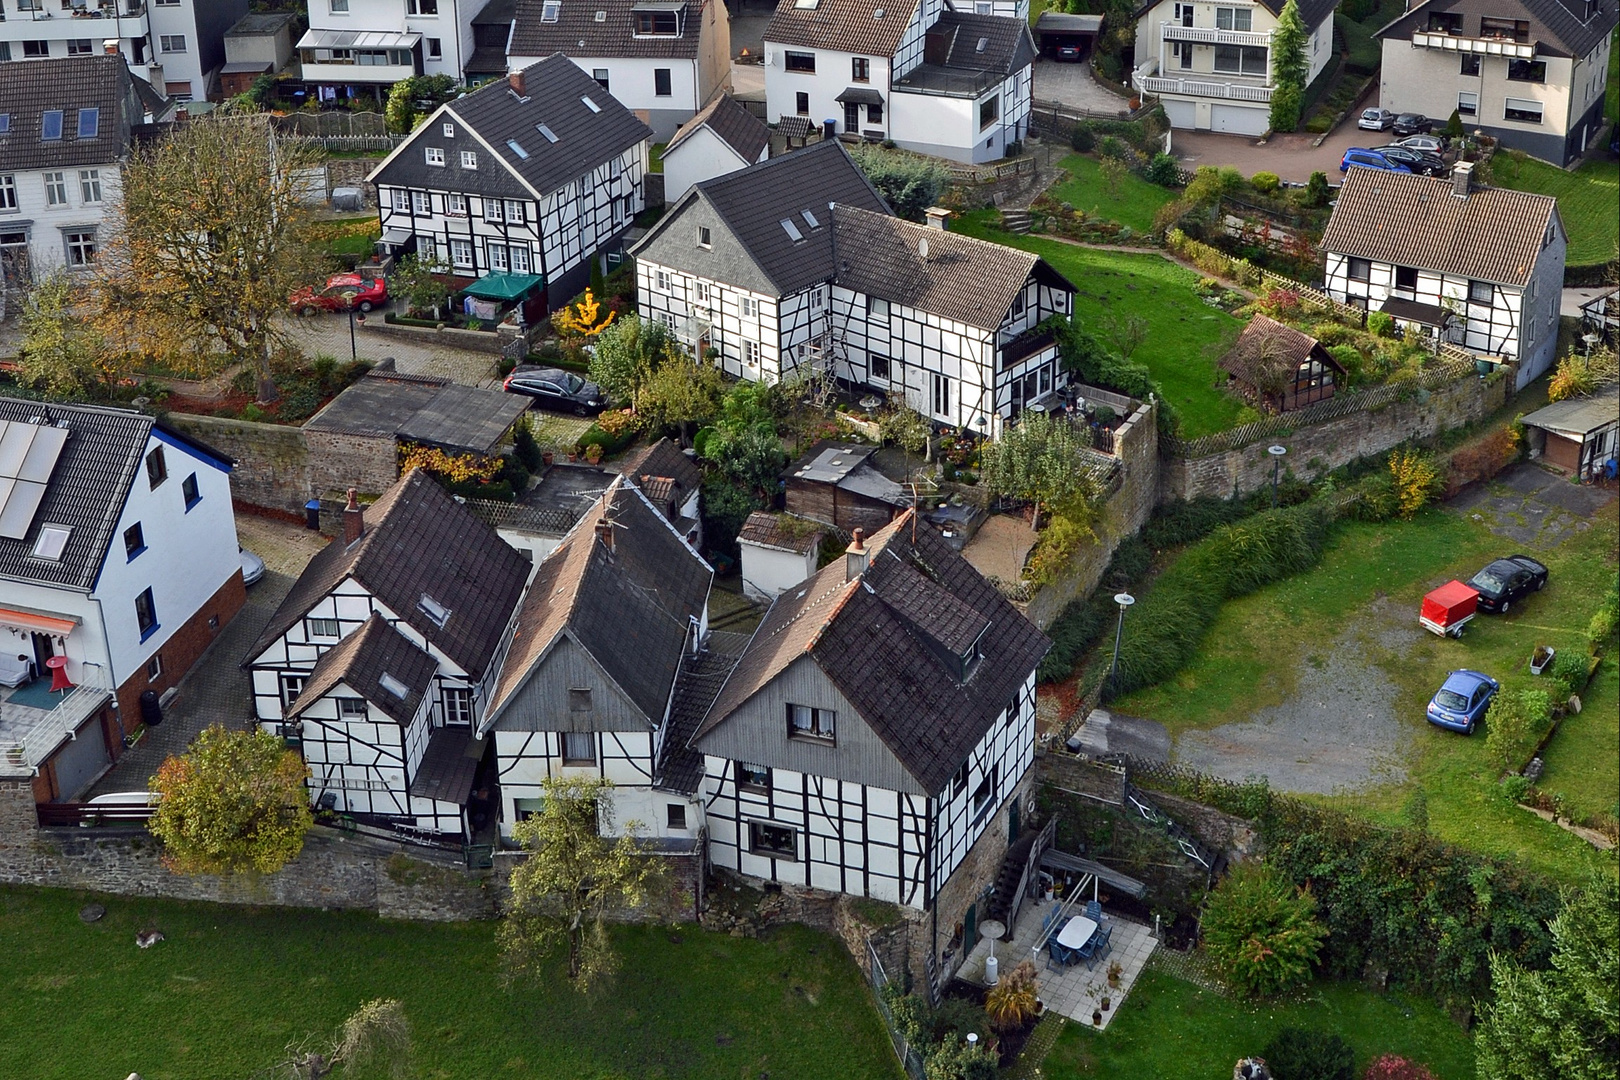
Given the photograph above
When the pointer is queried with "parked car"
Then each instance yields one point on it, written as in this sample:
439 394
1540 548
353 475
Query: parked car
1507 580
554 388
1416 160
1369 159
1461 701
127 798
340 293
1072 54
252 566
1376 120
1412 123
1429 144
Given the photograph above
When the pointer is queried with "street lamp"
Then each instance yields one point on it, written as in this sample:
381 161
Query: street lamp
1124 600
1276 453
353 317
1591 339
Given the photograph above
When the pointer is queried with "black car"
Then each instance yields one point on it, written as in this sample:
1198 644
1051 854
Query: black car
554 388
1417 160
1412 123
1507 580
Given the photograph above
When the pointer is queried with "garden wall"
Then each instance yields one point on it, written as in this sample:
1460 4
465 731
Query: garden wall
1082 776
1322 447
352 172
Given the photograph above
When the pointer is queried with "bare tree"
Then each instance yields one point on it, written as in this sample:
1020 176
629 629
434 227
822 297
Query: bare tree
212 235
1127 333
375 1034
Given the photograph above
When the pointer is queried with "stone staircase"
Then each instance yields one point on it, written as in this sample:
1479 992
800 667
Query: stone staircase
1015 221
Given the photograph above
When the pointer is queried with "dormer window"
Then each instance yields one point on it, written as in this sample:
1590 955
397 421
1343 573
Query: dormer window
658 23
550 10
805 722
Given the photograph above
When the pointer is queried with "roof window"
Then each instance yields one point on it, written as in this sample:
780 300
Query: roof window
50 125
806 5
516 148
591 105
601 16
810 219
550 136
434 610
5 123
980 47
550 10
51 541
792 230
89 123
393 686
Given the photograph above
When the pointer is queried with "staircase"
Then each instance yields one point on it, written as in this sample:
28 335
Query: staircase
1008 880
1015 221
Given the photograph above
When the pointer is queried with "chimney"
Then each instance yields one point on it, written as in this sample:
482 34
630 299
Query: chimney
604 533
514 79
855 556
1461 174
181 115
354 520
937 217
109 47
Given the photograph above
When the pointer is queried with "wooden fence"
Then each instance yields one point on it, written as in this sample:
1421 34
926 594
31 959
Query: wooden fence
990 173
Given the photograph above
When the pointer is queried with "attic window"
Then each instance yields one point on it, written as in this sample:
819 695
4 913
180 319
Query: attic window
51 541
591 105
5 123
550 136
434 610
393 686
658 24
806 5
811 219
792 230
550 10
449 131
50 125
601 16
579 699
980 47
516 148
89 123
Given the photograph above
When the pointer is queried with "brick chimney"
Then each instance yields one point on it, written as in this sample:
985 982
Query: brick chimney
354 520
604 533
514 79
109 47
855 555
1462 174
937 217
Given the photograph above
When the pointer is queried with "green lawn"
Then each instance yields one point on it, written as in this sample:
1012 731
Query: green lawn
1134 205
1185 335
1259 644
228 988
1586 197
655 162
1169 1029
1583 762
349 236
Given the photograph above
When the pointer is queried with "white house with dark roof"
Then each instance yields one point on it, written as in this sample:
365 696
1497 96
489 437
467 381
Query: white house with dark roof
1210 65
530 176
722 138
663 59
930 77
1531 73
1483 267
362 47
118 566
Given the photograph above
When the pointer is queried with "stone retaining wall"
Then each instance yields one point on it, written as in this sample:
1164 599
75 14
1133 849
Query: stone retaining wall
1238 837
1094 779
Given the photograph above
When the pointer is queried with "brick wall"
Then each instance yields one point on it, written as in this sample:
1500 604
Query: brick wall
1323 447
183 648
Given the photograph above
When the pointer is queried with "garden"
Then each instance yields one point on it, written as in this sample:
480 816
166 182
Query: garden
1587 197
228 988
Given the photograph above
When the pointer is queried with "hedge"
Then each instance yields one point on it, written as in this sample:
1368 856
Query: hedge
595 435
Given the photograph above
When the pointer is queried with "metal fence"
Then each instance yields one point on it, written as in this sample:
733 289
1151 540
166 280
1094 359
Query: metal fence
910 1060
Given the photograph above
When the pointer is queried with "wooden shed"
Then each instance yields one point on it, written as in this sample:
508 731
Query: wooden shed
837 483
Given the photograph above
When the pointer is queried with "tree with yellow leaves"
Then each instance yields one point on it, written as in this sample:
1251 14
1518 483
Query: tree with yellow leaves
582 320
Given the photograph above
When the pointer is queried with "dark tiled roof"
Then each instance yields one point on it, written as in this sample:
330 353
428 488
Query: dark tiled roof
754 201
782 531
663 473
862 27
1008 46
578 31
446 772
629 608
421 409
696 687
970 281
554 90
419 541
732 124
1559 27
487 60
1493 235
28 90
862 635
362 659
1266 340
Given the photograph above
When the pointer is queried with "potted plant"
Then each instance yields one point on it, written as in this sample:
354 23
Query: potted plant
1114 972
1107 1000
547 457
593 454
1541 658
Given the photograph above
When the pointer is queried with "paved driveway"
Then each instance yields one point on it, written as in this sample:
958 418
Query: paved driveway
327 334
1072 84
1291 157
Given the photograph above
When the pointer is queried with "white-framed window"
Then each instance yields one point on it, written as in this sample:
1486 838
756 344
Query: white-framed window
942 395
661 280
421 7
705 238
751 353
469 160
435 48
701 292
426 250
457 705
461 254
669 320
435 155
455 204
172 43
514 212
352 708
492 210
748 307
497 258
79 47
816 299
772 840
1234 18
449 131
806 722
56 189
291 686
421 203
8 192
401 200
1468 102
1524 110
337 7
323 628
1241 60
520 258
154 667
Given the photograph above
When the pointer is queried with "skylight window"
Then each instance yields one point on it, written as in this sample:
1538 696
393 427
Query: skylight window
516 148
591 105
811 219
89 123
806 5
51 541
550 10
5 123
601 16
435 611
393 686
50 125
983 43
551 136
792 230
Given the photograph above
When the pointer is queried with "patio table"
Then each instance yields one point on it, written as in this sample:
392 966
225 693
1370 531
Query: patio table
1076 932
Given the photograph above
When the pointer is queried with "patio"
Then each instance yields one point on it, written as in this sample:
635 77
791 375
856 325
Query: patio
1076 990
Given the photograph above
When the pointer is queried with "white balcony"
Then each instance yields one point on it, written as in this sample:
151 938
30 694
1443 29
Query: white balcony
357 73
1424 39
1208 35
1205 88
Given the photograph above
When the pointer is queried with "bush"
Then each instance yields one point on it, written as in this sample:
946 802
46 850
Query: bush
1287 102
1296 1054
1162 170
1604 621
1082 139
954 1059
1262 932
1381 324
1011 1002
597 435
524 447
1415 478
1514 723
1482 459
1266 183
1570 670
1081 622
1111 147
911 184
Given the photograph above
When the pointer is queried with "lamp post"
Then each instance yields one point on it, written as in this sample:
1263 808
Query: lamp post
1276 453
1591 339
354 353
1124 600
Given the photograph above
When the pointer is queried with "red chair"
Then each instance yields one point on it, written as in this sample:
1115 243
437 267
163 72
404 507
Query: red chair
59 677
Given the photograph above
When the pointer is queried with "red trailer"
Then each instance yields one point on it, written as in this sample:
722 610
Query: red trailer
1447 609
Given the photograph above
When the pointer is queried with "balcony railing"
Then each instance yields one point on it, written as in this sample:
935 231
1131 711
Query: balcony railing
1204 88
1208 35
1024 346
1492 46
37 741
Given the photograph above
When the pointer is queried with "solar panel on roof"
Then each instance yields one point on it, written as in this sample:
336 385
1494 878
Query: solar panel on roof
28 455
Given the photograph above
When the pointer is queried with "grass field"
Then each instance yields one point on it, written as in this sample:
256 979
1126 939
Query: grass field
1185 335
1583 762
1134 205
1254 653
1587 199
349 236
1169 1029
228 988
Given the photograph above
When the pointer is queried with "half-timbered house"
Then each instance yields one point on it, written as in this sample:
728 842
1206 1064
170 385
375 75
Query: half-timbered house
530 176
422 580
876 735
1481 267
589 679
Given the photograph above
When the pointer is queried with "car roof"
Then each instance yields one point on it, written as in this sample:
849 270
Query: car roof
1463 682
345 279
539 372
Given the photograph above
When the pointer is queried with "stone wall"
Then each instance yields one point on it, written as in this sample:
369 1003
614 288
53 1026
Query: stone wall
352 172
1093 779
339 462
979 869
1238 837
1323 447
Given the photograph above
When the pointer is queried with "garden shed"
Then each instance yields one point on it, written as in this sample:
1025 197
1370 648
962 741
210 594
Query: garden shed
1278 367
837 483
1579 435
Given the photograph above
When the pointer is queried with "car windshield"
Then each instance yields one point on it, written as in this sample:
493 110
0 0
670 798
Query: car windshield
1450 699
1489 580
572 383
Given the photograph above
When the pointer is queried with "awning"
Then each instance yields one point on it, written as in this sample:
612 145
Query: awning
356 39
859 95
1412 311
794 127
504 286
35 623
395 236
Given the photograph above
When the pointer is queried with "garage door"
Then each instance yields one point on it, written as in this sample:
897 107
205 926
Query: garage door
81 760
1239 120
1182 114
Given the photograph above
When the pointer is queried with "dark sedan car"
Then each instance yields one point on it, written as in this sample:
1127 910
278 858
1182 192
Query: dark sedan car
1370 159
1416 160
1507 580
554 388
1411 123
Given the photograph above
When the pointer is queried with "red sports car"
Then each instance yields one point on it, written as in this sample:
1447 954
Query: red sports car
340 293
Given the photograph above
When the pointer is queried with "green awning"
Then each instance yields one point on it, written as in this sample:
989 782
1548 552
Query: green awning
504 287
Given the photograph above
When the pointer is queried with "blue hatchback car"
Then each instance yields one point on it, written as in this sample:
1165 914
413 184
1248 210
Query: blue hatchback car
1369 159
1461 701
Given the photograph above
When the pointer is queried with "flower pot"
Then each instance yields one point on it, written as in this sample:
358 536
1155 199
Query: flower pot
1539 659
1106 1002
547 457
1096 1017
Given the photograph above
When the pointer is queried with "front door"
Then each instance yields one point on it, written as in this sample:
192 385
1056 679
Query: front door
852 117
1012 821
44 649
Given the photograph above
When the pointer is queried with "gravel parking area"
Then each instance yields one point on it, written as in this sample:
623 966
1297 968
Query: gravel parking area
1291 157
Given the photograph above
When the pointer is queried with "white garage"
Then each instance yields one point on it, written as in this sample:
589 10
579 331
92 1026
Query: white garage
1182 114
1239 119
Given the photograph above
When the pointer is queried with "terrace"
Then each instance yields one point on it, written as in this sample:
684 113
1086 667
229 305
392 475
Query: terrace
36 720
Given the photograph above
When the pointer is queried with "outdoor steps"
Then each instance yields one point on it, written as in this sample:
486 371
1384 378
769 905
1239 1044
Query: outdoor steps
1012 868
1015 221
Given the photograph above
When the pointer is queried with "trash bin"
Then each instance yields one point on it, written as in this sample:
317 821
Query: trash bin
312 515
992 971
151 711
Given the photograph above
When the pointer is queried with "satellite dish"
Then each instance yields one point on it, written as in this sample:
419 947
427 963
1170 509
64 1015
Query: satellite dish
922 247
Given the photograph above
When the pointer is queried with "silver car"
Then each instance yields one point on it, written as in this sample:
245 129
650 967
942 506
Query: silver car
1429 144
1376 120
